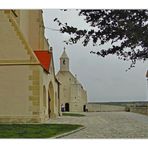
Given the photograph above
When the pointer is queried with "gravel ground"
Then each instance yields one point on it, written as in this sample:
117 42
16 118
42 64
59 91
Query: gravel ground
107 125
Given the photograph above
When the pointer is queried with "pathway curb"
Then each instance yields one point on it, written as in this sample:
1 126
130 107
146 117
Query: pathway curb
68 133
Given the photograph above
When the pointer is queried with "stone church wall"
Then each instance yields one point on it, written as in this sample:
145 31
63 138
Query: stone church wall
22 78
19 95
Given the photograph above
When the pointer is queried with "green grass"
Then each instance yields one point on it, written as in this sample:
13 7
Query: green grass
72 114
34 130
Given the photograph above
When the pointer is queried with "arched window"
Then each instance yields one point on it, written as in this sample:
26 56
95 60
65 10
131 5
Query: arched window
64 61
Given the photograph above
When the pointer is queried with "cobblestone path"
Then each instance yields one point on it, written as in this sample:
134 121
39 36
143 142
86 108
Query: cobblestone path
108 125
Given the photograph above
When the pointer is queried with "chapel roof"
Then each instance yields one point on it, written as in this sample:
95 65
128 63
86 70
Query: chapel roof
44 57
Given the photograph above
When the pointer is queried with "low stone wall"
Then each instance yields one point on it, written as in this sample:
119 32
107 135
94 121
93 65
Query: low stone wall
92 107
141 110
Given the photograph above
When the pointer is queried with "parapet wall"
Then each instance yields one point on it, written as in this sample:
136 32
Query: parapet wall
92 107
141 110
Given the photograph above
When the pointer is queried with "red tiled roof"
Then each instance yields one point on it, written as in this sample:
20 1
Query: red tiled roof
45 58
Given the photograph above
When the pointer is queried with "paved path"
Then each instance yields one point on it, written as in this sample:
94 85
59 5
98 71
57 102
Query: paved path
108 125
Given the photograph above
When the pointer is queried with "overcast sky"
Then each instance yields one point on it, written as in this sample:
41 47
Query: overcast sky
105 79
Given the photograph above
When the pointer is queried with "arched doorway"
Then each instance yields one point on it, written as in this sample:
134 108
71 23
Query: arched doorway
50 100
44 97
56 100
67 107
49 110
84 108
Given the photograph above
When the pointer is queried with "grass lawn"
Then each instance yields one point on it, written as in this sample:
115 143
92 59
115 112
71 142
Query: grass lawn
34 130
72 114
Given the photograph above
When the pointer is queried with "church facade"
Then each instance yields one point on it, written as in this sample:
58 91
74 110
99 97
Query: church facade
72 94
29 89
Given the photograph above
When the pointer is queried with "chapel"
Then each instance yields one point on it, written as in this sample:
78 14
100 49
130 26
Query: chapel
73 96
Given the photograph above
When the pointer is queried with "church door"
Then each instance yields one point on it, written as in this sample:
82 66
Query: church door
84 108
67 107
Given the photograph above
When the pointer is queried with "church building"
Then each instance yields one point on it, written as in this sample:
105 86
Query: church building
29 89
72 94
